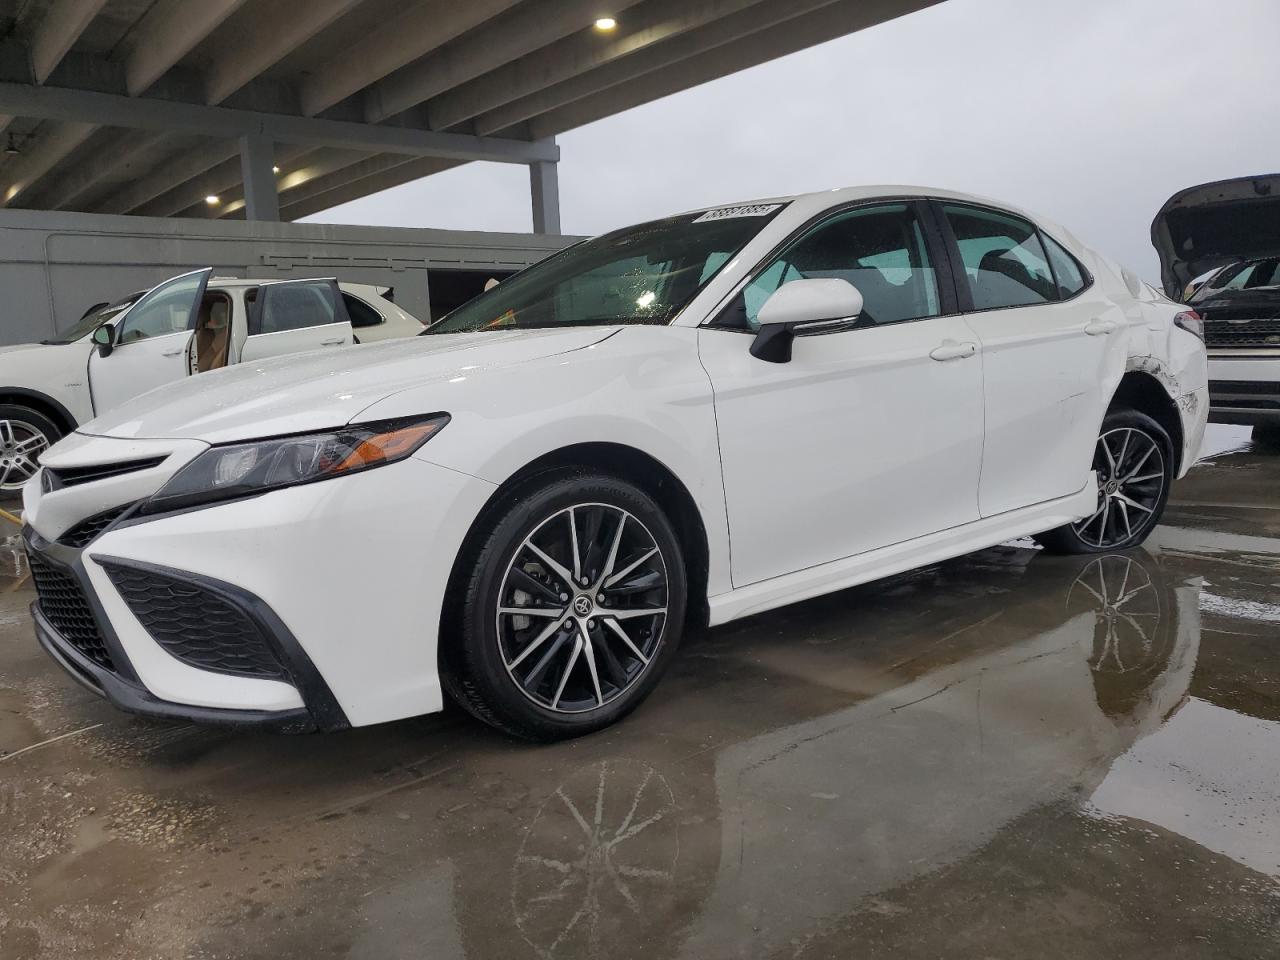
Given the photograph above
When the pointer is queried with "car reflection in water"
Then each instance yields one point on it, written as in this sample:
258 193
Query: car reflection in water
818 815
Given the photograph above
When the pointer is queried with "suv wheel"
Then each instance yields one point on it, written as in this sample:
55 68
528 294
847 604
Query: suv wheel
24 435
1133 461
1266 436
573 609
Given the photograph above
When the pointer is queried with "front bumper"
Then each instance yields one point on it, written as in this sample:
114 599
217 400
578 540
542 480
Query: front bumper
345 581
105 668
133 698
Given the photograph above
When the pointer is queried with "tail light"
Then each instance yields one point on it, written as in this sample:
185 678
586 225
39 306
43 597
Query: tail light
1191 322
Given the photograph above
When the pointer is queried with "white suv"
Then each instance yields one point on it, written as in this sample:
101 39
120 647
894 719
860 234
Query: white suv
189 324
701 417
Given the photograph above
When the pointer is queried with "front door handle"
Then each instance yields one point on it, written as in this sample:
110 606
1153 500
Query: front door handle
951 350
333 343
173 353
1100 328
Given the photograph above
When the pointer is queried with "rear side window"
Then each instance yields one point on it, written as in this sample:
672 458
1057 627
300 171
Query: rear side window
294 305
1066 271
362 315
1004 261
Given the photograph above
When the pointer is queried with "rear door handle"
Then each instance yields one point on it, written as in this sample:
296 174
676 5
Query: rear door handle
333 343
1098 328
951 350
173 353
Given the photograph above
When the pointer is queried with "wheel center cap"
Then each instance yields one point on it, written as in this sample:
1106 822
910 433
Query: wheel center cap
582 605
1113 486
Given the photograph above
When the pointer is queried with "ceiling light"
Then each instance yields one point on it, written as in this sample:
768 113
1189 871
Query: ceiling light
275 169
212 200
606 23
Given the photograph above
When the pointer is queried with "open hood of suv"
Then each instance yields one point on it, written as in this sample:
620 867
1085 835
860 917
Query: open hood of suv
320 390
1214 224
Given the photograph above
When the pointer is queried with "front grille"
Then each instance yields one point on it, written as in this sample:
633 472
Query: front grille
64 603
194 624
86 531
57 477
1254 333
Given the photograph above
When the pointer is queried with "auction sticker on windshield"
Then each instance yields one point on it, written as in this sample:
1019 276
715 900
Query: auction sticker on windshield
725 213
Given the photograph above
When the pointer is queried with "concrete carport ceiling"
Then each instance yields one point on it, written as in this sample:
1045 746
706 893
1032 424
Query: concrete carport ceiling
170 107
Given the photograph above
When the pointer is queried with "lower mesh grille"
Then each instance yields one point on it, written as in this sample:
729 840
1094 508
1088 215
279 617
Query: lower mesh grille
194 624
64 603
86 531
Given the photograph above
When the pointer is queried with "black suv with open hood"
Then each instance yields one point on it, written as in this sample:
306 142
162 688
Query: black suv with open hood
1231 227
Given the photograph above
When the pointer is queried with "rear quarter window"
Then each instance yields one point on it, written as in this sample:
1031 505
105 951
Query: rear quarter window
362 315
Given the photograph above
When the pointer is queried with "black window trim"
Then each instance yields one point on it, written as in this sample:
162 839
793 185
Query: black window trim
964 293
944 274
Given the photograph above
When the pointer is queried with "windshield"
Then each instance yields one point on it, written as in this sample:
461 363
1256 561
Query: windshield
1250 275
643 274
95 317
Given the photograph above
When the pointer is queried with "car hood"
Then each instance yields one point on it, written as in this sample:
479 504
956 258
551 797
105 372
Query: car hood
46 347
1214 224
323 389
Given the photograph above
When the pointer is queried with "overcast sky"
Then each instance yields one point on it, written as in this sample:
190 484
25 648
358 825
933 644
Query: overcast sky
1091 112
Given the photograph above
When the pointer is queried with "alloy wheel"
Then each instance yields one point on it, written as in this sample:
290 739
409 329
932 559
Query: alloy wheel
582 607
21 444
1131 479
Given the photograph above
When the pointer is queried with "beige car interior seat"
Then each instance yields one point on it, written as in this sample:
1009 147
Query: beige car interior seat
213 334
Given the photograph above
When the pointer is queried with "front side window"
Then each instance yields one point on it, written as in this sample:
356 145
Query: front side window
1004 261
640 275
169 308
880 250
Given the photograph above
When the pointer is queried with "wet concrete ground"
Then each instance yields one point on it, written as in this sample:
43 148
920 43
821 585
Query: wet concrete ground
1008 755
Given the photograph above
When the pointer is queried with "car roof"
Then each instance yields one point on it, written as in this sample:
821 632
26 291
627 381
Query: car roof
224 282
813 203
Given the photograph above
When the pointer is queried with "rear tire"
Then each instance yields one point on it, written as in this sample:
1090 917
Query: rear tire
1133 460
24 435
1266 436
588 652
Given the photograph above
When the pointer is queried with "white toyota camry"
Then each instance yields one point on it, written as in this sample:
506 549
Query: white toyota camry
693 419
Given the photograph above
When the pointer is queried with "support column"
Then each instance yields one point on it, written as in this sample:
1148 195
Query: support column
257 157
544 186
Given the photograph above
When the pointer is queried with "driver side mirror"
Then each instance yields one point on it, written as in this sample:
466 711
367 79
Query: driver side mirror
105 337
803 306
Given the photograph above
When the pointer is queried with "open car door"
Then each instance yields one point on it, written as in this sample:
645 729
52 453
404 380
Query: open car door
290 316
149 343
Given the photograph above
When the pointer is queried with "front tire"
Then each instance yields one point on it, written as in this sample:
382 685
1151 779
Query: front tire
1133 460
572 610
24 435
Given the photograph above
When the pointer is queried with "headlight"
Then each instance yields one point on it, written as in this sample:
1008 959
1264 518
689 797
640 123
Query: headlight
244 469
